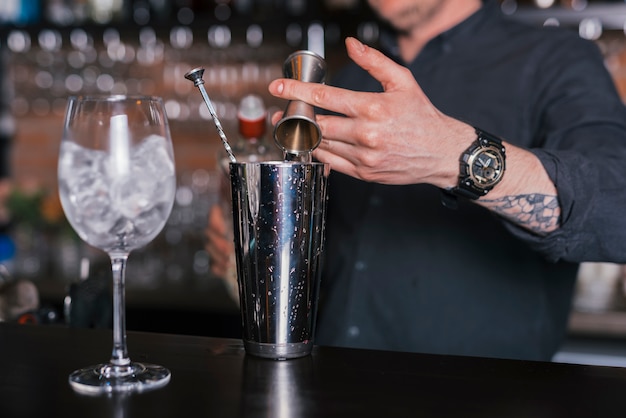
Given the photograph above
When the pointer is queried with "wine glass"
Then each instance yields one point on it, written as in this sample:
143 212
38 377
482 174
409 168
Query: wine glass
117 185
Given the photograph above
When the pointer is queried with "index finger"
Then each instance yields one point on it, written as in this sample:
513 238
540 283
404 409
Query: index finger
334 99
391 75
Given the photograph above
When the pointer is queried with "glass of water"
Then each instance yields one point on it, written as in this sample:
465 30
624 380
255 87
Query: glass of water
117 185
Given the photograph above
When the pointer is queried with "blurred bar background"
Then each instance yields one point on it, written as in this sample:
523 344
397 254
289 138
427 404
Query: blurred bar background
52 49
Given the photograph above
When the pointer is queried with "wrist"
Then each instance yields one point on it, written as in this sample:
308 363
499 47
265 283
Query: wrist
457 140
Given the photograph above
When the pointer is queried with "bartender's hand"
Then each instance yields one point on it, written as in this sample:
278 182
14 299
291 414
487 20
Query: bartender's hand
399 137
394 137
219 246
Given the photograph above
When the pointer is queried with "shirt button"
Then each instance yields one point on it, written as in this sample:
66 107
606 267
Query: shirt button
360 266
353 331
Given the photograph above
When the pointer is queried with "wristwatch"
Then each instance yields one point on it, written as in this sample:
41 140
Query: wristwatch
482 166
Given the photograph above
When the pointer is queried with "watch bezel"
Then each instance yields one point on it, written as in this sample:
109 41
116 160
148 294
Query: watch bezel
470 185
481 180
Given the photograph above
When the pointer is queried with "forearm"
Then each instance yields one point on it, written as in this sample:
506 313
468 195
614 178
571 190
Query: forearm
526 195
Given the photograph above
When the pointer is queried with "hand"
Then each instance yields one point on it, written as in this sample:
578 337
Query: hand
393 137
399 137
218 244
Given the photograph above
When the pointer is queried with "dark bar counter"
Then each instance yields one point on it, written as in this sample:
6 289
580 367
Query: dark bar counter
213 377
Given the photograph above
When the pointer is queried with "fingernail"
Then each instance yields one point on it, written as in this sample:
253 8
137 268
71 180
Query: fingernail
280 87
357 44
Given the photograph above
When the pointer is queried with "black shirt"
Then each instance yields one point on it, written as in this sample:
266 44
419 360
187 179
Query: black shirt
405 273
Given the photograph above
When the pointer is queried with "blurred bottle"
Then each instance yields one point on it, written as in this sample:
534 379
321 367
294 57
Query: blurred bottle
252 145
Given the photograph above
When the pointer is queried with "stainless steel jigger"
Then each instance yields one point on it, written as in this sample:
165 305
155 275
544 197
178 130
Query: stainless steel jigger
297 132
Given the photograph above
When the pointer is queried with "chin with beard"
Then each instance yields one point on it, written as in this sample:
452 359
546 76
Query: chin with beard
407 20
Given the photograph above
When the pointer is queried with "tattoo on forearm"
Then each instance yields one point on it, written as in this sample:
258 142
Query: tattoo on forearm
537 212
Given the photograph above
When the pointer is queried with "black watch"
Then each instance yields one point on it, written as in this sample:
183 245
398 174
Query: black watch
482 166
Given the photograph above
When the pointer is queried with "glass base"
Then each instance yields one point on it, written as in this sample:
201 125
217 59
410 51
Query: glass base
107 378
282 351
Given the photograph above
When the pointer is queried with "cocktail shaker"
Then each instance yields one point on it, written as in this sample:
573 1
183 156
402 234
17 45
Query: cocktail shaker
279 213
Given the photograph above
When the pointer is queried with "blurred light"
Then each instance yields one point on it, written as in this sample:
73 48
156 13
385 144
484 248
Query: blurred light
147 56
43 79
184 196
147 36
250 72
254 36
315 36
200 180
116 51
50 40
228 110
368 32
201 262
181 37
90 75
552 21
74 83
227 75
104 82
590 28
111 35
578 5
544 4
172 109
80 39
219 36
508 7
103 11
18 41
76 59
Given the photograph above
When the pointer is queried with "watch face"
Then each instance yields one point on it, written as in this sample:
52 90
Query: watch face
486 166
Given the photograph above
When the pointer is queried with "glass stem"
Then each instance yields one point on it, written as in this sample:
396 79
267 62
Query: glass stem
119 356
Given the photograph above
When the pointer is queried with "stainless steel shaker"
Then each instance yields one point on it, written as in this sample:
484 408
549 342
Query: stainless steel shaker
278 220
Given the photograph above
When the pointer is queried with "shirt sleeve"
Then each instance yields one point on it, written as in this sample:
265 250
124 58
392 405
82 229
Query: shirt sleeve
581 131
